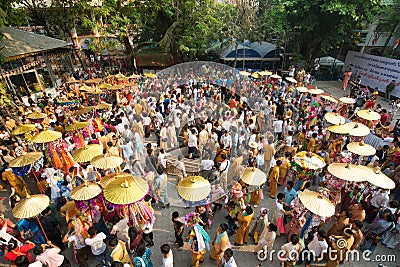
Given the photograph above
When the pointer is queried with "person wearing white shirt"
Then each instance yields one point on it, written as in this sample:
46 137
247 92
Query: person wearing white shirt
168 257
278 124
317 247
226 139
162 158
227 259
192 143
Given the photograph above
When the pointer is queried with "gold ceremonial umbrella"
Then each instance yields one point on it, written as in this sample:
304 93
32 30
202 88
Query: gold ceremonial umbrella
347 100
85 88
104 86
367 114
253 176
150 75
124 190
84 110
244 73
329 98
103 105
317 203
106 161
112 176
73 80
36 116
46 136
358 129
379 179
194 188
95 91
87 153
275 76
256 75
334 118
130 85
134 76
291 79
31 206
77 126
26 159
316 91
361 149
309 160
302 89
24 128
85 191
116 87
339 129
120 76
265 73
348 172
96 80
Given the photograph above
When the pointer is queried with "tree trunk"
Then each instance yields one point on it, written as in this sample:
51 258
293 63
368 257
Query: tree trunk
236 54
313 49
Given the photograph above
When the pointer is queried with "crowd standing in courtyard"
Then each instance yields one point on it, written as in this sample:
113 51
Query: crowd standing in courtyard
222 123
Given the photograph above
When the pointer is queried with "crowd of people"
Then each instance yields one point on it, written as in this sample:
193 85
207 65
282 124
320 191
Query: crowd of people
211 117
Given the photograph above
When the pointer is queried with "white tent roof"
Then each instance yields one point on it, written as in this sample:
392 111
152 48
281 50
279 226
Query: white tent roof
329 61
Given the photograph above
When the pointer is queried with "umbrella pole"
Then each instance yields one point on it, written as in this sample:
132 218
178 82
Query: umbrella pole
37 180
41 227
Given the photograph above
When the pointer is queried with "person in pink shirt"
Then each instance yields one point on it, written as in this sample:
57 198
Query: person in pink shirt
49 255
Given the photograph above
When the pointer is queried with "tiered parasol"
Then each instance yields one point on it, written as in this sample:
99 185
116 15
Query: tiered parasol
275 76
134 76
46 136
302 89
104 181
24 128
84 88
87 153
73 80
265 73
362 149
348 172
194 189
77 126
85 191
334 118
36 116
244 73
152 75
379 179
367 114
27 159
317 203
84 110
103 105
309 160
126 190
329 98
104 86
253 176
95 91
256 75
116 87
358 129
347 100
316 91
96 80
120 76
106 162
291 79
31 206
339 129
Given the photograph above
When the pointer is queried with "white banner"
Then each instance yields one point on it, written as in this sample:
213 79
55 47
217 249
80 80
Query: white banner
374 71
